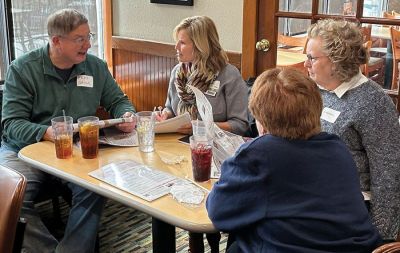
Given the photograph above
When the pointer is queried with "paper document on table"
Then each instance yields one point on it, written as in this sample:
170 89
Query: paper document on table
225 143
171 125
107 123
138 179
205 110
113 136
215 170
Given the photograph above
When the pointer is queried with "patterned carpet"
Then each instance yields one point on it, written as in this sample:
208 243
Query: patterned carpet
123 229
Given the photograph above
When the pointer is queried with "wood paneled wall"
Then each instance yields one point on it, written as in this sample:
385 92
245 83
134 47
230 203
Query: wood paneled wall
142 69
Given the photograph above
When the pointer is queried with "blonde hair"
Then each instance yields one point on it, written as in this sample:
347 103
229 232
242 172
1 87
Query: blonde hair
286 103
208 53
64 21
342 42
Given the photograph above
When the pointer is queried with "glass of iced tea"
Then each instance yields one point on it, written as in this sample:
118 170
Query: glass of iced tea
201 152
63 132
89 136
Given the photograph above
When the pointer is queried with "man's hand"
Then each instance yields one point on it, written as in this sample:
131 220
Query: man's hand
48 135
128 126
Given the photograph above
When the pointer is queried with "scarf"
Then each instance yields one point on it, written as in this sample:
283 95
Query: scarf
188 75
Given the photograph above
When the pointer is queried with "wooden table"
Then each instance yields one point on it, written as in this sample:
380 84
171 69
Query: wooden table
42 156
381 32
291 59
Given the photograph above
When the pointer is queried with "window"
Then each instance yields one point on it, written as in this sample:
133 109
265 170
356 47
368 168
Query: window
28 25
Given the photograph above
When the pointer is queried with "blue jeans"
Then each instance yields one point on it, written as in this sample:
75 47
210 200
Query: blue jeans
84 217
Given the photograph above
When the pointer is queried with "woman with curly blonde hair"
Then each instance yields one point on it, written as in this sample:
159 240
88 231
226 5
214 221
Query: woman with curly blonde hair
358 110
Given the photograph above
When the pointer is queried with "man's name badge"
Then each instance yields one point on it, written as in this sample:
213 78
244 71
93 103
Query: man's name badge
84 81
329 115
212 90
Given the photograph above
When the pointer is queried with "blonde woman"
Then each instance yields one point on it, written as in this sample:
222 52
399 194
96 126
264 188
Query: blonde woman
204 64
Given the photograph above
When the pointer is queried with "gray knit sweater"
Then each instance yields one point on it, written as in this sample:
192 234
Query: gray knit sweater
368 123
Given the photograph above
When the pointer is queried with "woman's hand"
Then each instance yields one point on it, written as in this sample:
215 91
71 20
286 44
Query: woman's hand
185 129
128 126
161 116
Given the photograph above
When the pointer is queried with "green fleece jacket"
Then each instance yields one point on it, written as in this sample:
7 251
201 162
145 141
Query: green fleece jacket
34 93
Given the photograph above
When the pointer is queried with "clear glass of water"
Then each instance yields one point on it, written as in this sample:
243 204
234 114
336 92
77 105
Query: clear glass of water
145 130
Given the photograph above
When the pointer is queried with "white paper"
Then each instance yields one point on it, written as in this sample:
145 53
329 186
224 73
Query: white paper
171 125
225 143
205 110
225 146
138 179
215 170
115 137
107 123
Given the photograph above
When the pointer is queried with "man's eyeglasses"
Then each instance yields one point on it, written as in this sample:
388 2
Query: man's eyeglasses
81 40
312 59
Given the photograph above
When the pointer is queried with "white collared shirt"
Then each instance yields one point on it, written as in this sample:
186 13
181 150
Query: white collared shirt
354 82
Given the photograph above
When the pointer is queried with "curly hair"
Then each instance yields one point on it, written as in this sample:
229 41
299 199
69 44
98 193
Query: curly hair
286 103
208 53
342 42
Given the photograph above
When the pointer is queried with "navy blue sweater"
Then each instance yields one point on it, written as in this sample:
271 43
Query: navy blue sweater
281 195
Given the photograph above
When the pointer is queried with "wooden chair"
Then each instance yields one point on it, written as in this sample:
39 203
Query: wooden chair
12 185
395 95
293 44
391 15
393 247
375 65
395 37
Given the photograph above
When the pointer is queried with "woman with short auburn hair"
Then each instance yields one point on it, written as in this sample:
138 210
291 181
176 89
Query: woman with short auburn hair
287 105
294 188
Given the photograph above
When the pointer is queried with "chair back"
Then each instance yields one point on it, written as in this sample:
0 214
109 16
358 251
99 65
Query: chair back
364 67
12 185
395 37
366 31
389 15
293 42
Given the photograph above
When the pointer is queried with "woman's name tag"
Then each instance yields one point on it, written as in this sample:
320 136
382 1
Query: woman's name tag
329 115
212 90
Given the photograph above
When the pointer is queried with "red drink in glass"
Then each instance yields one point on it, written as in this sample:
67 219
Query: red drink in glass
201 162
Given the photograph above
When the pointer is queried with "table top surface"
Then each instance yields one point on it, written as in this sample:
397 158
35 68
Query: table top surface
193 218
382 32
286 59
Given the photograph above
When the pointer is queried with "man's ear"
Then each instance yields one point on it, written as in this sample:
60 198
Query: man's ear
55 40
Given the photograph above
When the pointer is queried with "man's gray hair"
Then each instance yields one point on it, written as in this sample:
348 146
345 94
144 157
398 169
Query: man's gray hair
64 21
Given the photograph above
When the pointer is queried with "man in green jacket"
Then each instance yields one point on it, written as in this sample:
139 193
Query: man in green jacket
39 86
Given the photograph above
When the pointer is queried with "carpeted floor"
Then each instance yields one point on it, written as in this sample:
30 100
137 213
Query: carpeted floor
124 229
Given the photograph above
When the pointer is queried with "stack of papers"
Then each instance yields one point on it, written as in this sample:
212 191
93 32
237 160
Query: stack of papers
171 125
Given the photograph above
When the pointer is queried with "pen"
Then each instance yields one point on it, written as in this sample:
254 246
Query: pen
160 109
